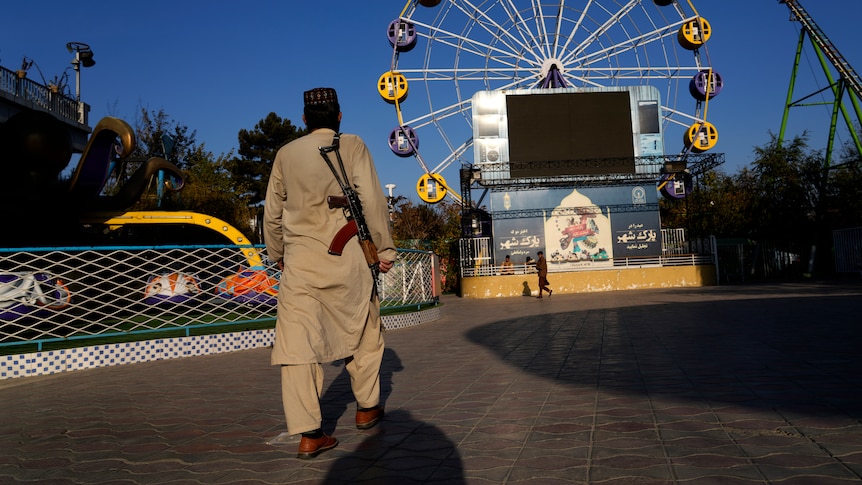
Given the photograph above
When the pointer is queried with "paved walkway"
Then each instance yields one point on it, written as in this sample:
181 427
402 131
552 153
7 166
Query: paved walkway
718 385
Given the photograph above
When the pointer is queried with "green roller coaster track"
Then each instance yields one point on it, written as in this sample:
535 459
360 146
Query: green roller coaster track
848 84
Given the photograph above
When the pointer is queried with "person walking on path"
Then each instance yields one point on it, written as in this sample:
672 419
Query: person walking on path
327 307
542 268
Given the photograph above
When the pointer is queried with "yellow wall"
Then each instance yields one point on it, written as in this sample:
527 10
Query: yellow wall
589 281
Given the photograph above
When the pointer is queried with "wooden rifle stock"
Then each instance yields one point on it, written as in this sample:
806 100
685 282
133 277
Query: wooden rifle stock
370 251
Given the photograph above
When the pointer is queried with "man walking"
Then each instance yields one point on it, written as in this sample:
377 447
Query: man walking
327 307
542 268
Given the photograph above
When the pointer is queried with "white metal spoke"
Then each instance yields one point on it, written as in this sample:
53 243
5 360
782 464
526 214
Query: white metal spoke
602 29
482 19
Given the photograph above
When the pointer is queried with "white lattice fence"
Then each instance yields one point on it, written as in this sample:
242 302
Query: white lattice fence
55 294
411 281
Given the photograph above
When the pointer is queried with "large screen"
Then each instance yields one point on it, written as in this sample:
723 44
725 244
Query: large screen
559 132
581 133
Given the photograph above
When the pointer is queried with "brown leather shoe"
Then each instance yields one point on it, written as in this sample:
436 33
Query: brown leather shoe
311 447
369 418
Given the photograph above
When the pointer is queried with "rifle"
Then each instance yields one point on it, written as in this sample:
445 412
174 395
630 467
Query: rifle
350 203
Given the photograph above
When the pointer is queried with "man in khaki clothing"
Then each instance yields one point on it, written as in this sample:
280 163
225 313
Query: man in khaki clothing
327 309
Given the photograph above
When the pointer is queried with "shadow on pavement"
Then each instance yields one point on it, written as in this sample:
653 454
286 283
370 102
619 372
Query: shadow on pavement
400 449
794 354
338 399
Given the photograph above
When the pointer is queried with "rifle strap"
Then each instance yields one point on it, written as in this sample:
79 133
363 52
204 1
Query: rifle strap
342 179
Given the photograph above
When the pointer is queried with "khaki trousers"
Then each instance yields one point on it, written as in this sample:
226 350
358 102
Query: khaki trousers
302 384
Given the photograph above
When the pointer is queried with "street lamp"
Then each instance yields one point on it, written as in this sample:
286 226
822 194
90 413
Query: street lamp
83 57
390 201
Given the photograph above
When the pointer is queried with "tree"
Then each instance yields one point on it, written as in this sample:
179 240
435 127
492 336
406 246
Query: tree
257 149
842 206
719 205
429 227
787 201
158 136
155 134
842 199
414 225
783 195
787 181
210 189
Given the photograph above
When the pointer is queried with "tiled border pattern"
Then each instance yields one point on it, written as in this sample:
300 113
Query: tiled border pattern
404 320
56 361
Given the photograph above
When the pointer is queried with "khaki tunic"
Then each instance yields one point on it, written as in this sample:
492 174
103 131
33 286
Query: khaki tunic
323 300
542 267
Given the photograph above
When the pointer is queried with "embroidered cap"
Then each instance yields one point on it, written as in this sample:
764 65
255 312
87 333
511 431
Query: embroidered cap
319 96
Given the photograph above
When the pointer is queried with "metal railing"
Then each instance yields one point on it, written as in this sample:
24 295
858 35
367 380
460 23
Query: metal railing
641 262
31 94
477 256
740 260
848 250
63 294
673 241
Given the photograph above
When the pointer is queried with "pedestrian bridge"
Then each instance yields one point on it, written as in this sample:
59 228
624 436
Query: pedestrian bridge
18 93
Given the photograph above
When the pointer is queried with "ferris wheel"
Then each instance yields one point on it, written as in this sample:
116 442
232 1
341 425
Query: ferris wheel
443 52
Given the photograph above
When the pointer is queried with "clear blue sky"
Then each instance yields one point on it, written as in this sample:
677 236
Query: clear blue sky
220 66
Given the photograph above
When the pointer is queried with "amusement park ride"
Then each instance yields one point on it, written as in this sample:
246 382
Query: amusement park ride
565 108
847 86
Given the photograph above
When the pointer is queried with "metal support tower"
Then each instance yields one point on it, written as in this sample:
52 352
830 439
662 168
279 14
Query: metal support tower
848 82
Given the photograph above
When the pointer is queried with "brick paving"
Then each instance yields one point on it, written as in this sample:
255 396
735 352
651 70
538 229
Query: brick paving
749 384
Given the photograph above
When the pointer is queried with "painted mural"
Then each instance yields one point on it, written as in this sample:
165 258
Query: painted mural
576 228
